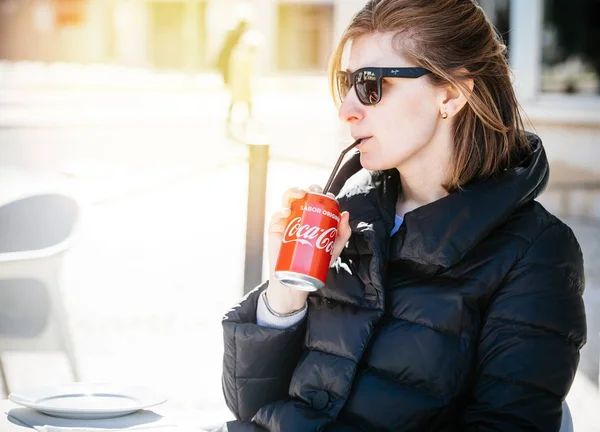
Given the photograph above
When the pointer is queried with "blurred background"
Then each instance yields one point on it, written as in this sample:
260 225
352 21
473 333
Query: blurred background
123 105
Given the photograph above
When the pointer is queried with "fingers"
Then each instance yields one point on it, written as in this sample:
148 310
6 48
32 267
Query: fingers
315 188
279 220
291 195
295 193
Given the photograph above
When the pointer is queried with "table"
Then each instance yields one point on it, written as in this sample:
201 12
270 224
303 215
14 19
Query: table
185 420
5 424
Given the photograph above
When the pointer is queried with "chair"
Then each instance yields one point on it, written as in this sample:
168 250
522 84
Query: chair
566 424
35 233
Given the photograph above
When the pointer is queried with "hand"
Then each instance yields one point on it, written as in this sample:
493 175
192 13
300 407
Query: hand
283 299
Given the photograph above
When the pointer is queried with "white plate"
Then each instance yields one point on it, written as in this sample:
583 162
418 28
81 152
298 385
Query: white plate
88 401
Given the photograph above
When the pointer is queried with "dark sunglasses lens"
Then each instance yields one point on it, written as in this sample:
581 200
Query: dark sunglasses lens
367 87
343 85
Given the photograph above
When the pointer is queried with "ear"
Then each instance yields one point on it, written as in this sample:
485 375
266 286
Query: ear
453 99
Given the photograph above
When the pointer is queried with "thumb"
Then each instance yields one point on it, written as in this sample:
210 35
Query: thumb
344 229
343 235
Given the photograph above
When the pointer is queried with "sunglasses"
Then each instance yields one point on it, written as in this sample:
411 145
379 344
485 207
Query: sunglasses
367 81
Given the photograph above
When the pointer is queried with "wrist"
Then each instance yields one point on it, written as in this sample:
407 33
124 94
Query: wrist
283 300
279 314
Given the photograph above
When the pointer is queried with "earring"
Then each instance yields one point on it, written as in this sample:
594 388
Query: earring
444 116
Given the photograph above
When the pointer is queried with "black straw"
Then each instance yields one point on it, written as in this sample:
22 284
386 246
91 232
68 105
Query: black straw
338 163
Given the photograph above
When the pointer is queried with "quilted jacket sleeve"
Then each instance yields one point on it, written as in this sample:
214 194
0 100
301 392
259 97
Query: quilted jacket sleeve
530 342
258 361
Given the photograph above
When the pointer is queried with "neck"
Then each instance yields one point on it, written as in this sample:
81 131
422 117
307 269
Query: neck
423 175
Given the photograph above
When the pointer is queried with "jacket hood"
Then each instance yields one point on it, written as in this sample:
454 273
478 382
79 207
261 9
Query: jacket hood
442 232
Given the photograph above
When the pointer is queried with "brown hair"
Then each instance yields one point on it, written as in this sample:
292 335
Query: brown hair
454 40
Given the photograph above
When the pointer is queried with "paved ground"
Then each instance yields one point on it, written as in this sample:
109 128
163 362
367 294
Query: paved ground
149 280
145 296
160 255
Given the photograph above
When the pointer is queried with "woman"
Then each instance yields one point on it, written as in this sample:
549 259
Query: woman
453 302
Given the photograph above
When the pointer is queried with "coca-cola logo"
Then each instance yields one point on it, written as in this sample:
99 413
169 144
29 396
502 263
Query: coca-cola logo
304 234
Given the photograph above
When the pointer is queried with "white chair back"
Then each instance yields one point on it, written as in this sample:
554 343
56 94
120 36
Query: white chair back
35 233
566 424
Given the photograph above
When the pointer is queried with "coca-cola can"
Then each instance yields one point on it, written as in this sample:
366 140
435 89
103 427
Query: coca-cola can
307 244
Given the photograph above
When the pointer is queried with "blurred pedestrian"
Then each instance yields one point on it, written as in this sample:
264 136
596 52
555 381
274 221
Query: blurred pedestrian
231 41
241 73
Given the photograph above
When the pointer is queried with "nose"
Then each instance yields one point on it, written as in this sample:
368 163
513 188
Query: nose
351 110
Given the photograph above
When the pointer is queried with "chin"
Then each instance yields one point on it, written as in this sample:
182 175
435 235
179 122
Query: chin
373 163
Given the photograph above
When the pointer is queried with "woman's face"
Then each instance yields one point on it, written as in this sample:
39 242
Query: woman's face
401 126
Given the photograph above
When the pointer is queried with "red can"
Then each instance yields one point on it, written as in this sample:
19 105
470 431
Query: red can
307 243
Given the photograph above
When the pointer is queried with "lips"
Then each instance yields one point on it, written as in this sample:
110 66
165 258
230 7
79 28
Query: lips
363 139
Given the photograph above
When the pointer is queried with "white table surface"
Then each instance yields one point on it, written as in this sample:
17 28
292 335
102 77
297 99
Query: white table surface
7 425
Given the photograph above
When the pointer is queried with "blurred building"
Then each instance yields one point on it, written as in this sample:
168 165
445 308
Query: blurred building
161 33
553 50
173 34
555 57
557 38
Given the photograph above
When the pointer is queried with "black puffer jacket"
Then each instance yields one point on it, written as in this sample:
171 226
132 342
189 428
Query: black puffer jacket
470 318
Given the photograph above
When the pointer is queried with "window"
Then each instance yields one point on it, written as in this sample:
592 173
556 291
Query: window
570 48
305 36
70 12
498 12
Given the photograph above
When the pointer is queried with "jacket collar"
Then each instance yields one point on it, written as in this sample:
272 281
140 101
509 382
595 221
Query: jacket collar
444 231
